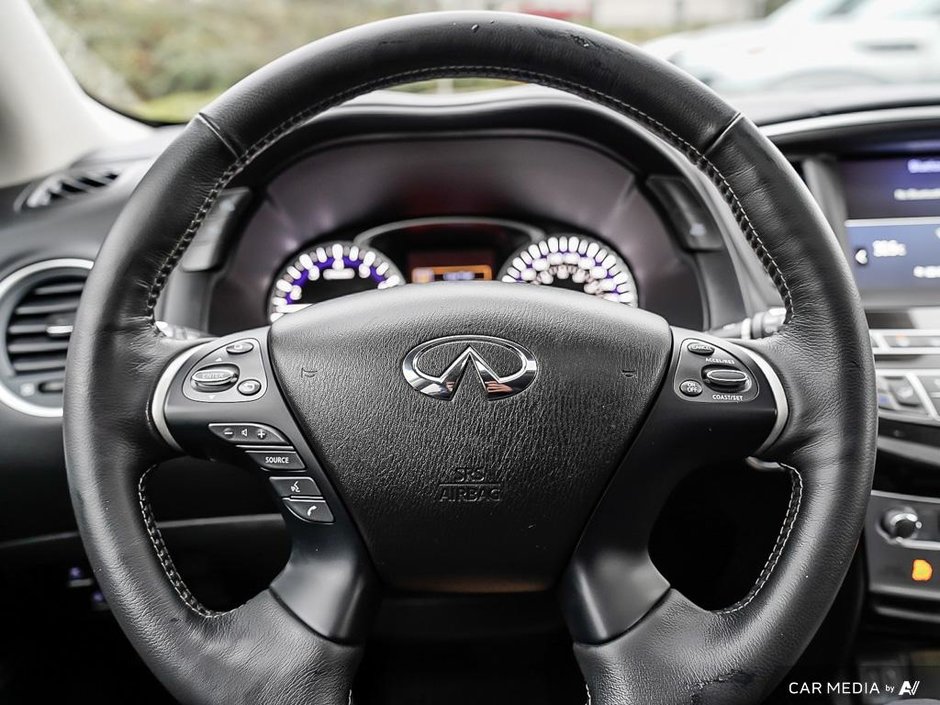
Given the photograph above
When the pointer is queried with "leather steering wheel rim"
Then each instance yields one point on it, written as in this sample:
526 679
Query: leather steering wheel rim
260 652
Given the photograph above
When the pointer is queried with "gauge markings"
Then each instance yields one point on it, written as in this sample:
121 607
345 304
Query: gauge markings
328 271
573 262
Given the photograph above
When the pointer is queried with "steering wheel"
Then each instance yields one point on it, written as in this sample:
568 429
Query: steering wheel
476 437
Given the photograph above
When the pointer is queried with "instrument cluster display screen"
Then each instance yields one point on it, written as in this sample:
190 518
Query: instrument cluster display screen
425 267
893 223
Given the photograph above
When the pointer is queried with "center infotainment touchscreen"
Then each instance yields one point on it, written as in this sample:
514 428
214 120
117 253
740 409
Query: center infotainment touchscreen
893 223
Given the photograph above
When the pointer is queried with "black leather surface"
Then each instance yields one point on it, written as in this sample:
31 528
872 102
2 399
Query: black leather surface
548 452
679 653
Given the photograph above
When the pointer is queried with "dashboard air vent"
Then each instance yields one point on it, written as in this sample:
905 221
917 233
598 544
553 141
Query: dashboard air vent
37 313
71 184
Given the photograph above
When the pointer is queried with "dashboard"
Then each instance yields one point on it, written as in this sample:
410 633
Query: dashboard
524 186
536 206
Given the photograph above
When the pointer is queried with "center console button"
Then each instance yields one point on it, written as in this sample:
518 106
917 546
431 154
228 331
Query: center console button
931 384
885 398
904 393
214 378
248 434
901 523
277 459
288 486
313 510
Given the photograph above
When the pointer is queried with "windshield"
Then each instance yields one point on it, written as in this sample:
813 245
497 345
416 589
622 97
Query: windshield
162 60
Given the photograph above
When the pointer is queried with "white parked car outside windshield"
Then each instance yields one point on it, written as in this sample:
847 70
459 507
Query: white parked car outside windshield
815 44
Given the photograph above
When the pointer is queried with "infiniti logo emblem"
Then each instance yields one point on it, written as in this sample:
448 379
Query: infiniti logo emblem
444 385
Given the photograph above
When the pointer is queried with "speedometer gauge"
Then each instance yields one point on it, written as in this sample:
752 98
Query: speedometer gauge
327 271
573 262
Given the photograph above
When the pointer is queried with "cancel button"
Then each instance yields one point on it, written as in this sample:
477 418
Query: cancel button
277 459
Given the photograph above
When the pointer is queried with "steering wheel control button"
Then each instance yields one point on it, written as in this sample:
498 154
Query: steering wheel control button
277 459
295 486
240 348
215 378
249 387
708 373
309 509
248 434
700 348
726 379
233 371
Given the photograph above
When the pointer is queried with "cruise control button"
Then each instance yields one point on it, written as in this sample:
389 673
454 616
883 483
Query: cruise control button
691 388
249 387
277 459
248 434
315 511
214 378
240 348
700 348
287 486
725 378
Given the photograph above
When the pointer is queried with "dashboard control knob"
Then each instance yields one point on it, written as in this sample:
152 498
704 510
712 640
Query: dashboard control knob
901 523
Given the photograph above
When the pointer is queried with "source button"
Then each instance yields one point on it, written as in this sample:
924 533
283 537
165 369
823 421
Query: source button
277 459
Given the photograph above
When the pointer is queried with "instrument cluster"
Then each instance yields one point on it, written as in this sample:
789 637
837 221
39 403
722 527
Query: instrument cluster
450 249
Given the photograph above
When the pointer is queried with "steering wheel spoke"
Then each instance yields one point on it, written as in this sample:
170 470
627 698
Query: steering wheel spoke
719 402
219 400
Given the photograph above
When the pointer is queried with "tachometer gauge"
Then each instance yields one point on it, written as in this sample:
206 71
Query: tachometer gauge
573 262
328 271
